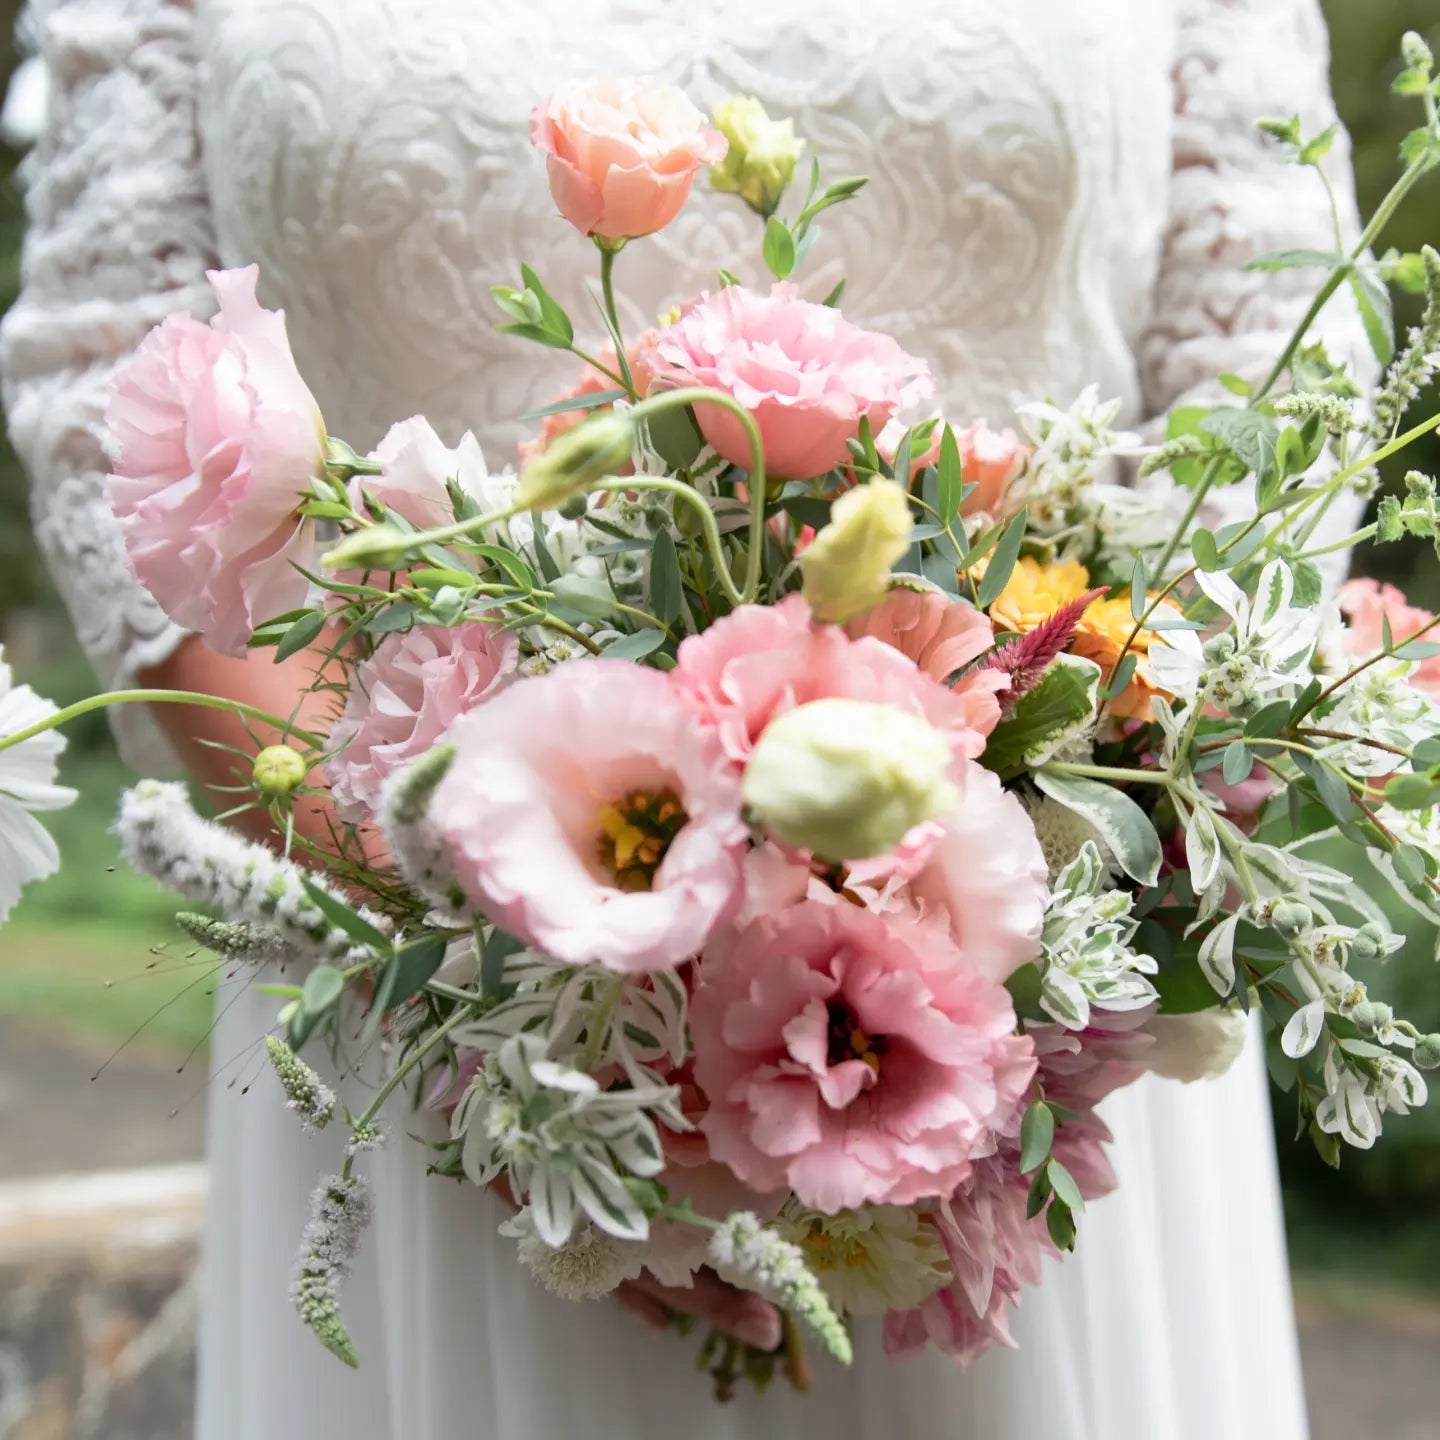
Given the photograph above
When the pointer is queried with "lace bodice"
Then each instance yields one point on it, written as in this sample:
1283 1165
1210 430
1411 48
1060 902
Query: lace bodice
1059 194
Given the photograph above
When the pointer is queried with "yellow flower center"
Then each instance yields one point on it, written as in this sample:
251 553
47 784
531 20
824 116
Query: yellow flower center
827 1252
635 832
846 1040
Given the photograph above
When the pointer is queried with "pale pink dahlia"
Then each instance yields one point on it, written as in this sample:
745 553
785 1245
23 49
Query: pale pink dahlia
587 814
217 440
404 699
762 660
851 1057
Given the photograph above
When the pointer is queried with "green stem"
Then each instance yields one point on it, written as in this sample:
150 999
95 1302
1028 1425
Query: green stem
411 1061
608 251
1350 540
600 1027
598 365
1106 772
1207 479
159 697
1366 462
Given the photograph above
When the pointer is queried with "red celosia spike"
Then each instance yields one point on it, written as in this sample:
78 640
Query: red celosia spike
1027 656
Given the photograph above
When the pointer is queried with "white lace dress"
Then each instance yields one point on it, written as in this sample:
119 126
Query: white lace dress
1061 193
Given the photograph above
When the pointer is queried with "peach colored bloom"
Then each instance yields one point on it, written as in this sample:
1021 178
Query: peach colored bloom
939 634
591 382
1367 604
616 843
621 154
218 438
404 699
851 1057
989 460
762 660
804 372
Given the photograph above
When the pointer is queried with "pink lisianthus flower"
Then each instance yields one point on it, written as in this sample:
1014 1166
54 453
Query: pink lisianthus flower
621 155
804 372
415 468
1367 605
990 460
979 875
762 660
852 1058
217 439
587 814
404 699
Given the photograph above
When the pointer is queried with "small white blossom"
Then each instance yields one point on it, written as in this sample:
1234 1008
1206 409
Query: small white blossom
1379 704
1360 1090
870 1260
587 1266
1070 442
27 784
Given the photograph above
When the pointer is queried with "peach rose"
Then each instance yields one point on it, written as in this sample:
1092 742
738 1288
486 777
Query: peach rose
621 154
802 370
217 439
1367 605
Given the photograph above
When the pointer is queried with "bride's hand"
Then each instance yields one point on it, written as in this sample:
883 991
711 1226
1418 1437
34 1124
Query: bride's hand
738 1313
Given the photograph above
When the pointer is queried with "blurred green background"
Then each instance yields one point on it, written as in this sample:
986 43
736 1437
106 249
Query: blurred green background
74 958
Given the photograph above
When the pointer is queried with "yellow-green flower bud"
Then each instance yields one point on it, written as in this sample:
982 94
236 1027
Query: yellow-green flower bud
279 771
848 778
762 156
375 547
847 565
597 447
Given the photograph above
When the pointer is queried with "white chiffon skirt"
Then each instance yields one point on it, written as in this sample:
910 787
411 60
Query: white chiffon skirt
1172 1322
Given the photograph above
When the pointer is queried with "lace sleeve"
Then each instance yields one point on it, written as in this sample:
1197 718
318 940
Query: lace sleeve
1232 199
119 236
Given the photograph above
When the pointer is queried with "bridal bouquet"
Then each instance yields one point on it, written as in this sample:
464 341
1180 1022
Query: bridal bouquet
767 825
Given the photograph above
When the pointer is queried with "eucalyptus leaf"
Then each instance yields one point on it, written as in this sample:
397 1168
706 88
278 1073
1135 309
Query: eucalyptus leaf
666 587
1037 1134
1002 562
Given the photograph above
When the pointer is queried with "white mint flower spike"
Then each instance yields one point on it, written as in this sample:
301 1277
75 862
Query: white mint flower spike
27 784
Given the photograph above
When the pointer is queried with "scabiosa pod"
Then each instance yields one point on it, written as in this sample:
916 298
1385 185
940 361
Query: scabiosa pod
305 1092
340 1211
751 1257
163 837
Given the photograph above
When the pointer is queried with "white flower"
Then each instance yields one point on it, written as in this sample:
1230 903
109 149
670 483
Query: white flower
1263 656
27 784
1379 704
588 1265
1359 1091
877 1258
1069 442
1202 1046
563 1140
1087 959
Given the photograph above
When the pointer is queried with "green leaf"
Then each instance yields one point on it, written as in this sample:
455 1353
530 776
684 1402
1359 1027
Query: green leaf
666 587
778 248
342 917
1250 436
1236 385
1309 584
676 437
835 296
1062 703
552 313
1376 312
1237 763
1412 81
1123 825
949 477
1410 865
1124 673
1317 148
322 989
399 616
1061 1225
1270 720
549 570
636 646
1038 1194
536 333
595 400
1139 590
1411 792
1062 1182
412 964
512 564
1007 551
300 634
1298 260
1205 551
495 950
1037 1134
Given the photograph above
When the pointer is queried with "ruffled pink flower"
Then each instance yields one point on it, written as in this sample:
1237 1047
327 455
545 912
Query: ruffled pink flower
621 155
989 460
852 1058
589 815
217 439
1368 604
979 876
416 466
762 660
404 699
804 372
939 634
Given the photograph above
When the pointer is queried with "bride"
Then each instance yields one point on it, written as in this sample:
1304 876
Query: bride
1060 193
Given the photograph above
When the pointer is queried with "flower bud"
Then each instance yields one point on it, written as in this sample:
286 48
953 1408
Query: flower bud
847 779
1219 648
847 565
762 156
1369 942
1372 1016
572 462
279 771
376 547
1291 918
1415 51
1427 1052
